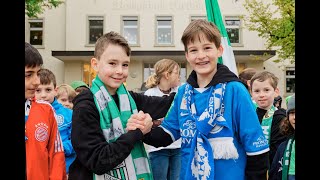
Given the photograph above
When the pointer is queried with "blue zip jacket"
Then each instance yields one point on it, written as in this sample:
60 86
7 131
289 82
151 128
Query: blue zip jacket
64 118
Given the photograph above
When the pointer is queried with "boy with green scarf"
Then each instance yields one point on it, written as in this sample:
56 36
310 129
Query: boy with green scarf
105 150
264 88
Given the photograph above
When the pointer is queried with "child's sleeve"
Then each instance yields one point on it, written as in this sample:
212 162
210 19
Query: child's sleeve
156 106
170 123
67 146
250 134
57 164
167 132
247 124
276 165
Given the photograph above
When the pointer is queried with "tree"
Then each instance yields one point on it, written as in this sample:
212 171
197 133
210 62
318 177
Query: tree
276 23
35 7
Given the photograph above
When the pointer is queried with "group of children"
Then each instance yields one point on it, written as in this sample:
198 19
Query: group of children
223 134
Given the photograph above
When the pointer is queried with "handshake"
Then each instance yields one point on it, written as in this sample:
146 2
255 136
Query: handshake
141 120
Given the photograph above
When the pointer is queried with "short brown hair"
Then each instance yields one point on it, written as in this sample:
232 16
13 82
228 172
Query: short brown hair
200 26
246 75
110 38
265 75
46 77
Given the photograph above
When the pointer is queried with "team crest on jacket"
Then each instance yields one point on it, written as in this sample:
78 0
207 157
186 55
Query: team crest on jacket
41 132
60 119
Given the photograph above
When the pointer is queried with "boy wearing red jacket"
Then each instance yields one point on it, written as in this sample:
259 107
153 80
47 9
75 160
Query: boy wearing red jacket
44 149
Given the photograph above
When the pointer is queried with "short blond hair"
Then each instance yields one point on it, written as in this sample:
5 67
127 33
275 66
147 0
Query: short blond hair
67 89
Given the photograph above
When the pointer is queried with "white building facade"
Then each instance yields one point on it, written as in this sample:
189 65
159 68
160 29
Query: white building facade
65 36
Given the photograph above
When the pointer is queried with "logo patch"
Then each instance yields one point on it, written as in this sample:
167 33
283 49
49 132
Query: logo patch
183 113
41 133
60 119
260 142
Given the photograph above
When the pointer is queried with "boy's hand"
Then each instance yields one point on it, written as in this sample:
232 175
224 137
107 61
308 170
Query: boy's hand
142 120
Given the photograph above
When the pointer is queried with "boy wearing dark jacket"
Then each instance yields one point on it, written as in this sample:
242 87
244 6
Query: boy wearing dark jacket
105 150
283 164
263 90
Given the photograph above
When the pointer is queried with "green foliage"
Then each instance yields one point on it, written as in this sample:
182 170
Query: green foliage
35 7
276 23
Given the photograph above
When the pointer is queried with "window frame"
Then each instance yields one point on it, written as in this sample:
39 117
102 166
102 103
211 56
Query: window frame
89 18
289 68
235 17
194 17
30 20
131 17
164 17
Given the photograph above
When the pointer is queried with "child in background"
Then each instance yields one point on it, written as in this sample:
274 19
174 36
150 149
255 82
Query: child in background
165 161
283 164
105 150
263 90
44 151
65 95
47 91
277 101
212 113
79 86
246 75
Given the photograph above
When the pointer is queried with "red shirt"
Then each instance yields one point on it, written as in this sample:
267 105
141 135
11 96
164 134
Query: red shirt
44 149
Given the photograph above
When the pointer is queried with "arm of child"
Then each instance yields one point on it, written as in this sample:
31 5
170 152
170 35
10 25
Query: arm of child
249 132
57 164
89 143
256 168
276 137
157 137
67 146
156 106
141 120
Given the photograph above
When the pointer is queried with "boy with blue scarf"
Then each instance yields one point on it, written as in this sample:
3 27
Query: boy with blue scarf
213 115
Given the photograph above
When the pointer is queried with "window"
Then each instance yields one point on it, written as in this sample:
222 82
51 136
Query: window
290 80
198 17
233 27
95 28
164 30
36 32
130 29
149 69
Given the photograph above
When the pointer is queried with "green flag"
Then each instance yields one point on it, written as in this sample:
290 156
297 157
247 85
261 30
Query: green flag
214 15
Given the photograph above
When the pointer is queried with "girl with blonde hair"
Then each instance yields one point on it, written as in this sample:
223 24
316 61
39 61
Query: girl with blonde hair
165 161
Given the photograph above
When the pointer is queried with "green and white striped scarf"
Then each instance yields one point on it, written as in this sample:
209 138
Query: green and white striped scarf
266 122
113 123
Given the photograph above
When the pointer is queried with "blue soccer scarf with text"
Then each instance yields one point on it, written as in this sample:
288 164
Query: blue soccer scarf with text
205 147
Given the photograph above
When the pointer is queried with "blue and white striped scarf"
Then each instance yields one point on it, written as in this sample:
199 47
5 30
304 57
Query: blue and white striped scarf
213 138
